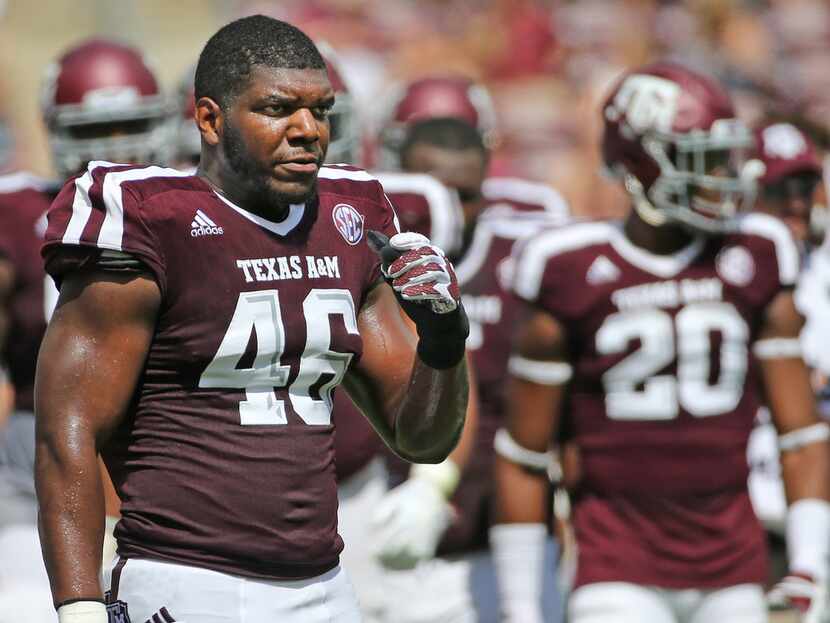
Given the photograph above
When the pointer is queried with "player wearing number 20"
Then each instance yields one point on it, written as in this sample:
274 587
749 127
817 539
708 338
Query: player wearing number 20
650 335
203 324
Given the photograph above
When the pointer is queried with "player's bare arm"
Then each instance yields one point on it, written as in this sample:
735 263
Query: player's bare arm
535 392
806 460
89 363
417 410
539 371
805 456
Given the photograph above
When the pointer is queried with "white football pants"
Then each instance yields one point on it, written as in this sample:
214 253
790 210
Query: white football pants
621 602
161 592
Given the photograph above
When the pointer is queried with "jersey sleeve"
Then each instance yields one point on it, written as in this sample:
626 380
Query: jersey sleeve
96 216
774 252
535 277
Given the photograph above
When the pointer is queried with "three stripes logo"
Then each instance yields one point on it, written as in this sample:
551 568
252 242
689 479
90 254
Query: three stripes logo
203 226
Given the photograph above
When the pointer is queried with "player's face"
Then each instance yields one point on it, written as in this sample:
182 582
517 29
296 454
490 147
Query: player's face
276 133
461 169
791 199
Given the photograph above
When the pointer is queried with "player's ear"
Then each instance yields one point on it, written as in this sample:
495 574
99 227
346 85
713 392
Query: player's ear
209 119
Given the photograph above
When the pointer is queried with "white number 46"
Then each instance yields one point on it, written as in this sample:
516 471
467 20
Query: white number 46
260 312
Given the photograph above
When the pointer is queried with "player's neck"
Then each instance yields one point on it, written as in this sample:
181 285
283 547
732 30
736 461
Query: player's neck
225 183
662 240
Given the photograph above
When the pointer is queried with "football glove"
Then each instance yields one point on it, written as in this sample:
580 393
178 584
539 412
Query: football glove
800 592
410 520
426 287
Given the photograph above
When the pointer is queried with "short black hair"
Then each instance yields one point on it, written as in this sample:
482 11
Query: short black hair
228 57
447 132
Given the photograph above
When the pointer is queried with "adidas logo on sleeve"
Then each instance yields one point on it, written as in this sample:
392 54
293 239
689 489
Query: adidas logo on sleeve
203 226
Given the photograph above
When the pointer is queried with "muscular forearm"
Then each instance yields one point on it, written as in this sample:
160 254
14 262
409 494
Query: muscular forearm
521 494
71 515
430 417
805 472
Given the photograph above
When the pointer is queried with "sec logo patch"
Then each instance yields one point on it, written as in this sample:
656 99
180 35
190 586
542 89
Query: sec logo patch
736 266
349 222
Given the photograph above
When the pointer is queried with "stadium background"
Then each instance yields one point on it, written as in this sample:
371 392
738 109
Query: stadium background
546 62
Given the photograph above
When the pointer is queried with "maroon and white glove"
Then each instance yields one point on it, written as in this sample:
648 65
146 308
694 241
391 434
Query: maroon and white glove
422 273
801 592
426 287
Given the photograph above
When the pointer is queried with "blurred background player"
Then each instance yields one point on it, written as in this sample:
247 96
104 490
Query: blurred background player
100 101
648 336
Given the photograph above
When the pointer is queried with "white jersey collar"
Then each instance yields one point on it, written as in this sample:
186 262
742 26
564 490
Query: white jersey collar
282 228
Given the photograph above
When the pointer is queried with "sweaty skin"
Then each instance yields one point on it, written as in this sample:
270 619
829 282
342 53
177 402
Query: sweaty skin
95 347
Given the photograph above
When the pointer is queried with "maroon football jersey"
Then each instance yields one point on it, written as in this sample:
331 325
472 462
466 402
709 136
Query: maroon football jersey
423 205
24 200
662 399
225 457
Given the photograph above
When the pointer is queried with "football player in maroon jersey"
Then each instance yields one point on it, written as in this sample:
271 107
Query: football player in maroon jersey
99 98
649 337
203 323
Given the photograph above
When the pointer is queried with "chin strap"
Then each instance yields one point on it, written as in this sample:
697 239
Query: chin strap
642 205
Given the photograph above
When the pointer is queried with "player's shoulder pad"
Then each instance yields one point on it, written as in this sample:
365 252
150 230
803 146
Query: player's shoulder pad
345 180
101 190
522 191
446 217
759 225
534 254
23 180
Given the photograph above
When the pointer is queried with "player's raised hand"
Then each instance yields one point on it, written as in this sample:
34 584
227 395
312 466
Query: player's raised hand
417 270
804 594
426 287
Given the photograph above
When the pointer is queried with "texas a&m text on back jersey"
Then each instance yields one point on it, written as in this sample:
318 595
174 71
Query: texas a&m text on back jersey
662 398
257 327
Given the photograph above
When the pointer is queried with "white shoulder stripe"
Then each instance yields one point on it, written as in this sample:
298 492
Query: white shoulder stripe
333 173
81 209
444 209
538 250
525 191
112 229
21 180
786 251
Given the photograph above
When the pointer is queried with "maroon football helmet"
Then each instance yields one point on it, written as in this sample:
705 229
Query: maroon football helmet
671 135
346 129
429 98
102 102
